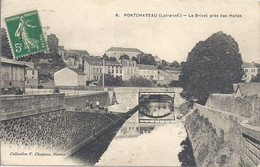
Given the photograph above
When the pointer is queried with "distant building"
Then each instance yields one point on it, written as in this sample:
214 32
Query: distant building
69 77
251 70
93 68
31 76
129 69
247 89
12 73
113 68
168 75
118 51
148 71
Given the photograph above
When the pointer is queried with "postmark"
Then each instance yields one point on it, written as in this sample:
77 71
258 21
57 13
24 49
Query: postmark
25 34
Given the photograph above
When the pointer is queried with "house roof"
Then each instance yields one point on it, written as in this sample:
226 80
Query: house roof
80 52
123 49
11 61
250 65
78 71
146 67
111 63
93 60
248 89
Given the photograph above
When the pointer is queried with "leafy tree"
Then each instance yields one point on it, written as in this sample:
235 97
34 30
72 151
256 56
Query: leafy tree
112 59
174 84
111 81
5 46
256 78
182 64
175 64
212 66
164 63
105 57
53 43
146 59
135 59
139 81
124 56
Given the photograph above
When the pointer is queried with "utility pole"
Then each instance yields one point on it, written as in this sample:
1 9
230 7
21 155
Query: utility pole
103 74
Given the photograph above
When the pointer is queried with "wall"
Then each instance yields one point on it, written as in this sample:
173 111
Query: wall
221 138
59 130
248 107
80 102
13 106
65 77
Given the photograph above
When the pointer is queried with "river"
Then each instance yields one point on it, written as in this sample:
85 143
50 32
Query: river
150 137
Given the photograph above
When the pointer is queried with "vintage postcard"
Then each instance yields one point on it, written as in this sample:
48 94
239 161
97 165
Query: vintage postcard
130 83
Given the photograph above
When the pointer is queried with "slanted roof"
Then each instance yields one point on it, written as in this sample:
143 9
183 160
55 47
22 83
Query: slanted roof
111 63
250 65
146 67
93 60
78 71
80 52
123 49
248 89
11 61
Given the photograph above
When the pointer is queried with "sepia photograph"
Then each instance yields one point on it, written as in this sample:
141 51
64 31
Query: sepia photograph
130 83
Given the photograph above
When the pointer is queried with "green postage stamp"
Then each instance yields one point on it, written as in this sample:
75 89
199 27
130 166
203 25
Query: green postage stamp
25 34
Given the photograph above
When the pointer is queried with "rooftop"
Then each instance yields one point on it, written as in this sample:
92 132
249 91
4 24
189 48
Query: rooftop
11 61
78 71
110 63
250 65
93 60
146 67
248 89
124 49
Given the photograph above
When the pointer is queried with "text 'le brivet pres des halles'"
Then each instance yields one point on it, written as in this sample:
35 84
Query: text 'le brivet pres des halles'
194 15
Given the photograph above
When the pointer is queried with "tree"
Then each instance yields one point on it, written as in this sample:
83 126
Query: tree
112 59
135 59
182 64
175 64
146 59
164 63
105 57
111 81
212 66
256 78
139 81
5 46
124 56
53 44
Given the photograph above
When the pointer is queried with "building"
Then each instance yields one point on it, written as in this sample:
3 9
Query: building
93 67
247 89
168 75
129 69
12 74
148 71
251 70
31 76
113 68
69 77
118 51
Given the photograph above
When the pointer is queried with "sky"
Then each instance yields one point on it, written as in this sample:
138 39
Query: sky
92 25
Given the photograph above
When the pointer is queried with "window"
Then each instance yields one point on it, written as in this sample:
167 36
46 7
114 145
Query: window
252 70
93 69
127 71
116 70
246 70
109 71
120 71
32 72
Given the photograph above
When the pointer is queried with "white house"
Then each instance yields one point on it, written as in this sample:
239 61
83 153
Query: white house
70 77
148 71
251 70
118 51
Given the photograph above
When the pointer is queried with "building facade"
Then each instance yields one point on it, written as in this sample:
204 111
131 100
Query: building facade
148 71
31 76
129 69
113 68
69 77
251 70
93 68
12 73
119 51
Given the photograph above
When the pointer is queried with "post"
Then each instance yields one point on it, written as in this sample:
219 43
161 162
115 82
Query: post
103 74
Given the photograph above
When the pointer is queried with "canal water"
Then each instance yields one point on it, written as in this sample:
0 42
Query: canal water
150 137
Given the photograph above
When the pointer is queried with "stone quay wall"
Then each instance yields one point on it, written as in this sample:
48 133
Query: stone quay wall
221 138
42 121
